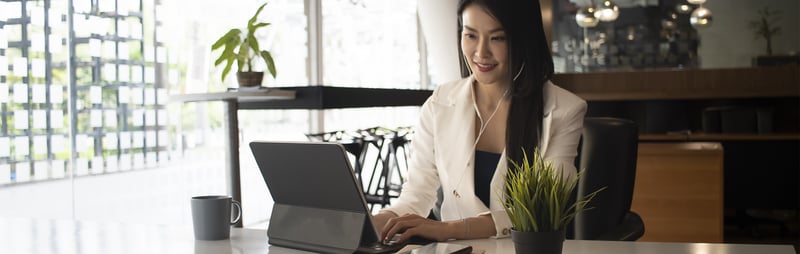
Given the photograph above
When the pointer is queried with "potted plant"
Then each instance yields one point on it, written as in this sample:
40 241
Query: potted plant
242 47
537 200
766 26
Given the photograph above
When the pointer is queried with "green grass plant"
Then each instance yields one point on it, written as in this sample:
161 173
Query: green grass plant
538 195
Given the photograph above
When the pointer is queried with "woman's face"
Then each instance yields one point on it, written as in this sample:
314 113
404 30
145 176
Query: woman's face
483 43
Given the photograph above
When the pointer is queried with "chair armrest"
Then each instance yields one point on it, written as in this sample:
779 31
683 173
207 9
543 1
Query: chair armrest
630 229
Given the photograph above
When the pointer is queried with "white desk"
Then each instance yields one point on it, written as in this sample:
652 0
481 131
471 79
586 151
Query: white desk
67 237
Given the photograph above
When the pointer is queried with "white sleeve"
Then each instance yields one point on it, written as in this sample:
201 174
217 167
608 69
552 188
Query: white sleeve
566 134
502 224
418 195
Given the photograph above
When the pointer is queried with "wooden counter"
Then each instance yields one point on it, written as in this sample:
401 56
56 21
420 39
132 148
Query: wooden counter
679 191
676 84
719 137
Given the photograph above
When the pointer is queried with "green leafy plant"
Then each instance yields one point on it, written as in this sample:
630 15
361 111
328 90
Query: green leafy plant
765 26
537 196
242 47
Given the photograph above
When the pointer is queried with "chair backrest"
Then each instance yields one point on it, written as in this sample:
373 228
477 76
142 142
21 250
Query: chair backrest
608 158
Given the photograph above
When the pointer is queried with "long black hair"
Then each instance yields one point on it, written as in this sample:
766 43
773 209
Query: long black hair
527 47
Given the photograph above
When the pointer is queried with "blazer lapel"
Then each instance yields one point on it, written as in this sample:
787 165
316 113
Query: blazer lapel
458 136
547 118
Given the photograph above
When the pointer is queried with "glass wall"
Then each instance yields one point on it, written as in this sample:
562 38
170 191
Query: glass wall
78 107
649 34
645 34
34 92
98 139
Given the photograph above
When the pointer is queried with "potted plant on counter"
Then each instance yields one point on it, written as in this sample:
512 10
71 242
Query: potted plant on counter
766 26
537 200
241 46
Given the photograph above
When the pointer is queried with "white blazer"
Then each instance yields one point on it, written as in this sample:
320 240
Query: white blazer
443 156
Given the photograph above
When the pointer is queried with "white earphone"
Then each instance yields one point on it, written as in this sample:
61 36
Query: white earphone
519 72
483 127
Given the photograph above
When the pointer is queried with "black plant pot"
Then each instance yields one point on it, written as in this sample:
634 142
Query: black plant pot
249 79
538 242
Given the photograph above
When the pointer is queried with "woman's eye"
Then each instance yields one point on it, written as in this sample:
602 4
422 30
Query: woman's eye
469 36
499 38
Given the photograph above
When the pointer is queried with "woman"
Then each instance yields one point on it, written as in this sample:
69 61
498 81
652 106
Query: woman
469 128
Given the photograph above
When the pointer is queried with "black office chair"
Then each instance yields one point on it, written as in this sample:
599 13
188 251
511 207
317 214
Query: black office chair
608 157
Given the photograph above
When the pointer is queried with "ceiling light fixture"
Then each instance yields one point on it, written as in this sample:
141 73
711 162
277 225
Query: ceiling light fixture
586 17
701 17
607 11
683 8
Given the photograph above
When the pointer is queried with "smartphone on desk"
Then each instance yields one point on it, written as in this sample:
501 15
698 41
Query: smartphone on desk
442 248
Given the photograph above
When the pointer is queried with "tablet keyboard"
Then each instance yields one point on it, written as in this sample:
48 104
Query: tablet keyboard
380 248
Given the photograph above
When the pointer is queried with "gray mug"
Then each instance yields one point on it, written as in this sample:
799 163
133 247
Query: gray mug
211 217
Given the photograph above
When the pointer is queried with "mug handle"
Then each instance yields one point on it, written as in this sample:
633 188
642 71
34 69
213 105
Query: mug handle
238 211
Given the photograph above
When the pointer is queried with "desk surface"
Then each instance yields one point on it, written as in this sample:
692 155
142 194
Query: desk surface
67 236
239 96
314 97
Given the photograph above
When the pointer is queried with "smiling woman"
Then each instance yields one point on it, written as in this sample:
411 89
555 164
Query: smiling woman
507 100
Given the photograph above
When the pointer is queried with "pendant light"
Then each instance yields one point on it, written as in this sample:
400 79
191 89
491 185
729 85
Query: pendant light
701 17
670 22
586 17
683 7
607 11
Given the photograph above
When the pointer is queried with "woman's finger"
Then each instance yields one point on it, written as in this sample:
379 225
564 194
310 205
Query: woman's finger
401 224
416 226
386 228
390 229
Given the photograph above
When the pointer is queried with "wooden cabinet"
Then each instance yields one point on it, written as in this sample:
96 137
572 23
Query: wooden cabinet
679 191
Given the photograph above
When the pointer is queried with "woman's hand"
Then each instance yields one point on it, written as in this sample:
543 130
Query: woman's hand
414 225
380 219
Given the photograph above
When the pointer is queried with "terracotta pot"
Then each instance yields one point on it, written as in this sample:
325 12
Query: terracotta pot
249 79
538 242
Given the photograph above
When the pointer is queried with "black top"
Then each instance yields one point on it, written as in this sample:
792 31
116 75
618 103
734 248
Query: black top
485 165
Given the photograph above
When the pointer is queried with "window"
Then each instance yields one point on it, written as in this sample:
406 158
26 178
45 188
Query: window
104 143
34 141
370 43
